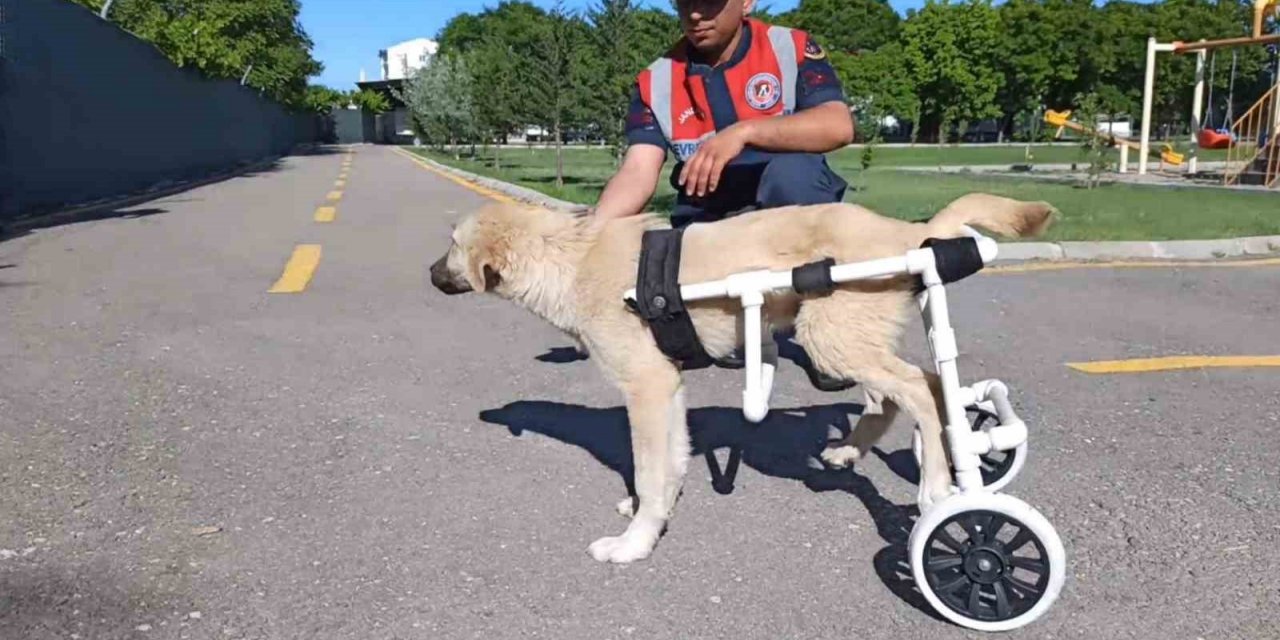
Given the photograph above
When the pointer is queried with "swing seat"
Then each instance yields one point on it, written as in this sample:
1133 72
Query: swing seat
1210 139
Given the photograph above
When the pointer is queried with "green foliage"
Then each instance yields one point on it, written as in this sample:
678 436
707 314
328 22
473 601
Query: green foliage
1095 147
845 25
259 41
951 55
370 101
439 100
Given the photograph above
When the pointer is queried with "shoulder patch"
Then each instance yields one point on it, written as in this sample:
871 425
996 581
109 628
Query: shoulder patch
812 51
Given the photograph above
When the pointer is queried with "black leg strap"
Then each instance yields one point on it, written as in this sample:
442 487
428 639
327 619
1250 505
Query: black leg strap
956 258
658 299
814 277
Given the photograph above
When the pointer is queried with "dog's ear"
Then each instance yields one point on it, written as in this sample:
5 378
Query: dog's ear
484 271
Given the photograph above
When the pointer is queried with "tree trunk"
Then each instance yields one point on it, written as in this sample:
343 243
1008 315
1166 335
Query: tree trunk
559 156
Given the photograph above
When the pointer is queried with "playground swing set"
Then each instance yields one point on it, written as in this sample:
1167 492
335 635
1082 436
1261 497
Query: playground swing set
1252 141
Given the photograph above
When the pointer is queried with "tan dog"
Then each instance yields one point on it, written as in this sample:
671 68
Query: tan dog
573 271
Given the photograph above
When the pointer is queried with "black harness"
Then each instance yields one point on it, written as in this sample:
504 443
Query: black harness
659 303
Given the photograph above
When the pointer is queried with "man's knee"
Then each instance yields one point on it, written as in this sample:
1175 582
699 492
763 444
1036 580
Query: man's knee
799 178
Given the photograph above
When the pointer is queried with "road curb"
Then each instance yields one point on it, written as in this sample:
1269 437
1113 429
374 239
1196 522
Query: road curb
90 211
1075 251
516 192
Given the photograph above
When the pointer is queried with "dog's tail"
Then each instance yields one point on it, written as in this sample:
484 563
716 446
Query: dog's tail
996 214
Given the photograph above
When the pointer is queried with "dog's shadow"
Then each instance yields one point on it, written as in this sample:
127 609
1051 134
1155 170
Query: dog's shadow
787 444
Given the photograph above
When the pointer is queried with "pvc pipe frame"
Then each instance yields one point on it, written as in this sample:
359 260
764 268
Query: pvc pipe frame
965 444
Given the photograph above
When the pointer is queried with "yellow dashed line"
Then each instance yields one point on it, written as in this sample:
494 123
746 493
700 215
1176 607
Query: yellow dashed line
339 183
489 193
326 214
298 271
334 195
1136 264
1172 363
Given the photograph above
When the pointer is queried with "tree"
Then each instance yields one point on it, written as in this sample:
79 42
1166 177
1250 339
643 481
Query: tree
878 84
951 54
559 78
439 99
1046 54
845 25
258 41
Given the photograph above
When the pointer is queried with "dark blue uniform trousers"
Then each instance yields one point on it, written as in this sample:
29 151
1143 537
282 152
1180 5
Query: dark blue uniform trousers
773 180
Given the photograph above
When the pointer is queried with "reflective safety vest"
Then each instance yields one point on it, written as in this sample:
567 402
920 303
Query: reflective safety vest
761 85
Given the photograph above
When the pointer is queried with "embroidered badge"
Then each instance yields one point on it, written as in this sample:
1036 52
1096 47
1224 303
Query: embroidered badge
812 51
763 91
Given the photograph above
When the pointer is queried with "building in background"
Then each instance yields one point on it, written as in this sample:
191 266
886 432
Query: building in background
399 62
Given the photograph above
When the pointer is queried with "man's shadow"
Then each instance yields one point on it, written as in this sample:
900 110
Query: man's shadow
787 444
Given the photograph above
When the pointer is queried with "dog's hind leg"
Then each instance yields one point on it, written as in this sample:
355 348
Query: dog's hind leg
875 420
654 397
852 335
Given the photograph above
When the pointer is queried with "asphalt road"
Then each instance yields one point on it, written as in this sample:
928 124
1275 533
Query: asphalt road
185 455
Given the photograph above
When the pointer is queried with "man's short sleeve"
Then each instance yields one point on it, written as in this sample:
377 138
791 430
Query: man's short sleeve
642 127
816 81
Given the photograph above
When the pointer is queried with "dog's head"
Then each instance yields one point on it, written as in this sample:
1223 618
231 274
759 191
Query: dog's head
477 256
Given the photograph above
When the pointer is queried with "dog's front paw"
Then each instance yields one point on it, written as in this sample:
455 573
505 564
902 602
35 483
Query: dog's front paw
627 508
841 457
620 549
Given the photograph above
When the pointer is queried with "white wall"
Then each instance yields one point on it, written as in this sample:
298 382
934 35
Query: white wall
401 60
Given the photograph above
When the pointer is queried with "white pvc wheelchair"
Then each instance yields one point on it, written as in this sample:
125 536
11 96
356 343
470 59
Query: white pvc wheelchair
982 559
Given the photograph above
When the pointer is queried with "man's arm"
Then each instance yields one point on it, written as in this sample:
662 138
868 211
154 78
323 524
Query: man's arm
630 189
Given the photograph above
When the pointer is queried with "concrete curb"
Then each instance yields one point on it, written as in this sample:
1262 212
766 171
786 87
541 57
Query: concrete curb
1173 250
1162 250
515 191
90 211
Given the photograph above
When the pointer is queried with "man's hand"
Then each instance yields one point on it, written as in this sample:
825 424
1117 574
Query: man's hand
820 129
701 174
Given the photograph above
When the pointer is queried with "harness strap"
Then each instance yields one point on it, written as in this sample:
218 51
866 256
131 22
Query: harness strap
659 303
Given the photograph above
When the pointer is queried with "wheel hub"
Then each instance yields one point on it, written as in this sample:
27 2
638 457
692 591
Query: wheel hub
985 565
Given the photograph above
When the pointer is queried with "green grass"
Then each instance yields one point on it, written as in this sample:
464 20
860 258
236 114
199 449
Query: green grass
1109 212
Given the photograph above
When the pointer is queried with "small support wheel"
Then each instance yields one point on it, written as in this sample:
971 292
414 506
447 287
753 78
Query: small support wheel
998 468
987 561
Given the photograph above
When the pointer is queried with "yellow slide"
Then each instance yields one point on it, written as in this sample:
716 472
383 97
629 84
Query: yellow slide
1062 120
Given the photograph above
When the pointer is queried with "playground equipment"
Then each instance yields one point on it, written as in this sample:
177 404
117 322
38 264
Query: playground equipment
1062 120
1208 137
1253 140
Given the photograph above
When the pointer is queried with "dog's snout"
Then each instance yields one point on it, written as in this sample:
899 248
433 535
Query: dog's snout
444 281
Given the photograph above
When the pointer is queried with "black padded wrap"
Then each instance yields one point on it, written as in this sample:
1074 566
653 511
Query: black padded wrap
956 258
658 300
814 277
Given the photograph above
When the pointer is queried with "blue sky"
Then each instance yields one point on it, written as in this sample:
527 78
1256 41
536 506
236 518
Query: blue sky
348 34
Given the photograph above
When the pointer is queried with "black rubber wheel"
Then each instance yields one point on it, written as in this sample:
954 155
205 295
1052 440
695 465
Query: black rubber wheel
986 566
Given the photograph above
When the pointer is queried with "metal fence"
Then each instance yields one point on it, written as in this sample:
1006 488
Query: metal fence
88 111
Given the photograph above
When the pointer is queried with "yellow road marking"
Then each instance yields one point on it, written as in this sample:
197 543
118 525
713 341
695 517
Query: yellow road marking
343 175
1172 363
1136 264
334 195
326 214
339 183
298 271
489 193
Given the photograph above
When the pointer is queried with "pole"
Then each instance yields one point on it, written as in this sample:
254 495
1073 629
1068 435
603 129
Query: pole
1124 158
1148 87
1197 112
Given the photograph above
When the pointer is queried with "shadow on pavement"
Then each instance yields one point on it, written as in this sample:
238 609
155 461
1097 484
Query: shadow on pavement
785 445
